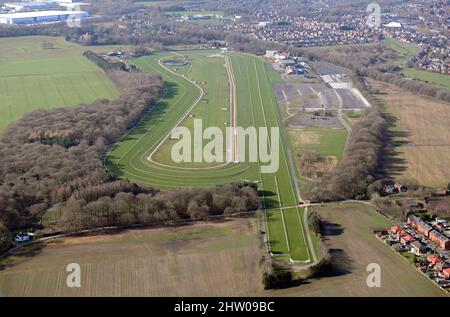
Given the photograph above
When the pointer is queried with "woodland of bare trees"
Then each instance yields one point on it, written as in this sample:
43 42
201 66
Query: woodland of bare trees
49 155
151 207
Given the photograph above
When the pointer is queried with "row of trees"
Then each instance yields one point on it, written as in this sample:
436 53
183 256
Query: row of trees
413 86
126 208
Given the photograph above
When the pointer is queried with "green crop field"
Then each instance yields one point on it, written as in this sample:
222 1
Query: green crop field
255 105
33 77
433 78
408 50
405 50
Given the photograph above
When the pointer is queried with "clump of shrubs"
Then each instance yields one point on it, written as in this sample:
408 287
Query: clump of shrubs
276 277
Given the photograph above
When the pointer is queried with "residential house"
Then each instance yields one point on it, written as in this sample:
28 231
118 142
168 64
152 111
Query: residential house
433 260
440 239
442 266
400 188
446 274
407 239
418 248
395 229
419 225
23 237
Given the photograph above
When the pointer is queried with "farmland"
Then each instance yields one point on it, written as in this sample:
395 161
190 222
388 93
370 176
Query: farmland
251 79
33 77
209 259
204 259
433 78
353 246
419 145
408 50
405 50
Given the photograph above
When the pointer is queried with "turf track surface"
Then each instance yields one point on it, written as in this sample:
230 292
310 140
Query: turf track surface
256 106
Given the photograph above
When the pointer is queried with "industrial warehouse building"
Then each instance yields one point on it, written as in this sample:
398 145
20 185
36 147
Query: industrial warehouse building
41 17
26 6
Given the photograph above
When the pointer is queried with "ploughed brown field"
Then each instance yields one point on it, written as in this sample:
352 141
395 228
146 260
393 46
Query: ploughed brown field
209 259
204 259
420 129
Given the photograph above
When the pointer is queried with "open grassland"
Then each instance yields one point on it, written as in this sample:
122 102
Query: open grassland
202 259
408 50
255 107
208 70
354 246
326 142
403 49
32 77
431 77
420 132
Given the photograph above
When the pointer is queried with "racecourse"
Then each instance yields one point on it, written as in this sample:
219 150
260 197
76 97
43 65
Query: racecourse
251 79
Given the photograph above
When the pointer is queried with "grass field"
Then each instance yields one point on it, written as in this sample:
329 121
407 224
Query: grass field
354 246
204 259
213 108
32 77
326 142
433 78
256 106
408 50
405 50
420 132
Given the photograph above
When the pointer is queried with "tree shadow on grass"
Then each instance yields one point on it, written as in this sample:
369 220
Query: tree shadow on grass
341 264
329 229
391 164
22 254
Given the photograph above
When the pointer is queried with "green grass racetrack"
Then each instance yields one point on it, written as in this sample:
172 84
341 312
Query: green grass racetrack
256 106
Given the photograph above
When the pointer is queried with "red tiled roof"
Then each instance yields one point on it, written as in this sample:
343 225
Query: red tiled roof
433 258
395 228
409 238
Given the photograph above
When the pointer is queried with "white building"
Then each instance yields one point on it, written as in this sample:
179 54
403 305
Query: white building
26 6
41 17
395 25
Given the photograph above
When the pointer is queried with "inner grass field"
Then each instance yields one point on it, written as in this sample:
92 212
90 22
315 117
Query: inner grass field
256 106
326 142
212 109
33 77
